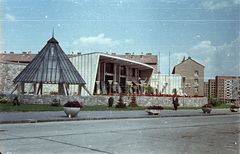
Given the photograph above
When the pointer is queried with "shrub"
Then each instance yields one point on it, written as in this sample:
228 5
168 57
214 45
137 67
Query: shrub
120 103
214 101
4 100
126 89
16 102
110 101
55 102
149 90
133 103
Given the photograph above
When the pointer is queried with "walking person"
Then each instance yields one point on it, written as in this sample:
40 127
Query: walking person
175 100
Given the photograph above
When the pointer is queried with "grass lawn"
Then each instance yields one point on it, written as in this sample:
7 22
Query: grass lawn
38 107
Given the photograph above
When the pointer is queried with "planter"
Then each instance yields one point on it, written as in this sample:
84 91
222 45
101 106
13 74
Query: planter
71 111
234 109
206 109
152 112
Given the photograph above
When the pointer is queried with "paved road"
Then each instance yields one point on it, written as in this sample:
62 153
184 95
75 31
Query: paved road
187 135
25 117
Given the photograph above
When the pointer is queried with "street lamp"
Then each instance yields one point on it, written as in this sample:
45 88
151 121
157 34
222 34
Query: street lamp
183 78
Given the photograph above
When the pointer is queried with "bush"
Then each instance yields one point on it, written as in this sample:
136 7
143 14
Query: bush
4 100
110 101
126 89
120 103
214 102
16 102
133 103
55 102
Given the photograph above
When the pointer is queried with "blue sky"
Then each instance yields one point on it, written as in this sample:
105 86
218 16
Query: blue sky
205 30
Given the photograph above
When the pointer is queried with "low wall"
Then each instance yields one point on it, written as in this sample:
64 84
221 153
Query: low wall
103 100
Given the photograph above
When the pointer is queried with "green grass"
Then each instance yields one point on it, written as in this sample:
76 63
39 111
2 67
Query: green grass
39 107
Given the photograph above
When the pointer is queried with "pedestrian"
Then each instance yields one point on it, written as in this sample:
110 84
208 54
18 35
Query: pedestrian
175 102
175 99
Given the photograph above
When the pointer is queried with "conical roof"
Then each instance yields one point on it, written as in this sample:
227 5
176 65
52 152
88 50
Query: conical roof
51 65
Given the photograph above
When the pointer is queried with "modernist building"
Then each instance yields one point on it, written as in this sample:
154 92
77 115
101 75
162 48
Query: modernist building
105 73
227 88
193 76
148 59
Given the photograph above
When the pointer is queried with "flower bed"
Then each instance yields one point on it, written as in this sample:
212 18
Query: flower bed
73 104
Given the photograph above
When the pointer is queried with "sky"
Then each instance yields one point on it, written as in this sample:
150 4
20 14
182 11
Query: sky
205 30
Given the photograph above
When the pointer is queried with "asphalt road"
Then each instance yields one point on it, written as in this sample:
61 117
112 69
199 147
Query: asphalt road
173 135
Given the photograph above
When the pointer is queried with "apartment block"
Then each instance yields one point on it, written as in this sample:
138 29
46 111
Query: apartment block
227 88
194 76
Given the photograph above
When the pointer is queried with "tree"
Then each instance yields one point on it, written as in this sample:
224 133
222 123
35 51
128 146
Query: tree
133 103
120 103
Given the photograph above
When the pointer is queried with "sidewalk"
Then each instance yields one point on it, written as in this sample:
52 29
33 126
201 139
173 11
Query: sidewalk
33 117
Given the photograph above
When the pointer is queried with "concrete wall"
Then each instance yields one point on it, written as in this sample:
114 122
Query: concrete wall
103 100
173 81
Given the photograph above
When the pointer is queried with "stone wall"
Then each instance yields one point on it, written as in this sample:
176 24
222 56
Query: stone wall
10 70
103 100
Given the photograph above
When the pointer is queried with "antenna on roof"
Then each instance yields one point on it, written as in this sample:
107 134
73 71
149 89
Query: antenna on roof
53 32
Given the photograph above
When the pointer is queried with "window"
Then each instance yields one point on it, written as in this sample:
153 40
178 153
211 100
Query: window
196 73
123 70
196 81
109 67
196 89
133 72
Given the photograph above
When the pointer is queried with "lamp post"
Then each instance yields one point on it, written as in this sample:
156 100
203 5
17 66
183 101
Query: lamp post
183 78
110 83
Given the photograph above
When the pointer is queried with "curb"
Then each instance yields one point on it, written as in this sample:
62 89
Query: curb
106 118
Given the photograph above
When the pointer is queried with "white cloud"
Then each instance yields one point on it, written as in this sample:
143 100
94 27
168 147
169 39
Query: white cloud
203 47
100 40
9 17
218 60
129 41
215 4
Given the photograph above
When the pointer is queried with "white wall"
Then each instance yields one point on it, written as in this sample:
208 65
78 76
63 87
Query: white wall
86 65
173 81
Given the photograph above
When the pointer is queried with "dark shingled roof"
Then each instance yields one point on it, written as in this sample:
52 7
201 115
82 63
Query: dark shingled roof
51 65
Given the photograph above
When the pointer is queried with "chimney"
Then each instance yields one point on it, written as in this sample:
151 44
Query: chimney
113 53
29 52
24 53
11 52
149 54
79 53
127 54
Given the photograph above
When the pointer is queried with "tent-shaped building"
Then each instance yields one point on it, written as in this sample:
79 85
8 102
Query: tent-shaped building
50 66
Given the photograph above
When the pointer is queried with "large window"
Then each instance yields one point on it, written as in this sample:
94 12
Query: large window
122 70
133 72
109 67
